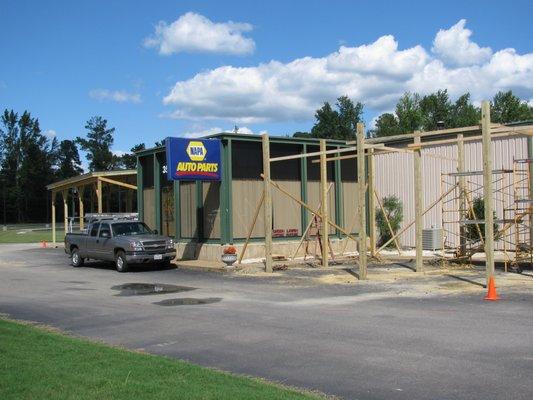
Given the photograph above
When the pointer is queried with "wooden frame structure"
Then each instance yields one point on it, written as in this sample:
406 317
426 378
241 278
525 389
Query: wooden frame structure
91 180
485 131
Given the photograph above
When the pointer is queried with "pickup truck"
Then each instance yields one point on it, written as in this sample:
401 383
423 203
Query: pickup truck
123 241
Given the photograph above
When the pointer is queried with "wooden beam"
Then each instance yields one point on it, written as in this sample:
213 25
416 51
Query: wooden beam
318 153
462 193
418 203
324 202
487 189
371 202
118 183
54 193
99 194
249 235
64 193
268 202
81 191
361 204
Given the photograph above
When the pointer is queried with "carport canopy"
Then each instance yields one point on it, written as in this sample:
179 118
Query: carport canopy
91 180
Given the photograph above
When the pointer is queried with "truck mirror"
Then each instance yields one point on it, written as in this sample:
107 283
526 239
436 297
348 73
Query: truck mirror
105 234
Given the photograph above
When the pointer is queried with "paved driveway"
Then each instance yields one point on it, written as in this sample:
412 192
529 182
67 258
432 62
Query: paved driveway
361 341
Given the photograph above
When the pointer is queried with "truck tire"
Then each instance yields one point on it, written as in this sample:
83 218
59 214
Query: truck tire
120 261
75 258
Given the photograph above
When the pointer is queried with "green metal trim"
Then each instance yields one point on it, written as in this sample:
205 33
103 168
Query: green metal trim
157 192
140 190
177 209
339 199
199 211
303 188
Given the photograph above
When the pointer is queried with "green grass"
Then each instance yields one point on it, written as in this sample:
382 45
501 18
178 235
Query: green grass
40 364
12 236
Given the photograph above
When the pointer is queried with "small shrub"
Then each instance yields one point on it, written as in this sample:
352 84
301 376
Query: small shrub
394 209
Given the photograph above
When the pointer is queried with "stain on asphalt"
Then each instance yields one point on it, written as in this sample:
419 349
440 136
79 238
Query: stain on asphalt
78 288
76 282
188 301
141 289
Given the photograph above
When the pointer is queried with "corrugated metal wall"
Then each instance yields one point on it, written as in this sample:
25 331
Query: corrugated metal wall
394 176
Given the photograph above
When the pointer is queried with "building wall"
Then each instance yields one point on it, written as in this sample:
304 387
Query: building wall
394 176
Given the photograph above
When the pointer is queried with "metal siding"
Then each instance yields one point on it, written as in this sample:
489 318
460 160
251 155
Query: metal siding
394 176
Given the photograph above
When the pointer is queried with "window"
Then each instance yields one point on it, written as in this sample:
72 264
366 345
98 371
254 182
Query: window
94 229
105 229
130 228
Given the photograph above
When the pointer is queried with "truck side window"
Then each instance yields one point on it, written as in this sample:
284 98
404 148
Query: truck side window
105 228
94 229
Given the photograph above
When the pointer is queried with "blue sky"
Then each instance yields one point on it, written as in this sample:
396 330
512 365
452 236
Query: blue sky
66 61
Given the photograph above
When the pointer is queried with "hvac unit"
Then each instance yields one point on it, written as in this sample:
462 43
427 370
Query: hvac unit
432 239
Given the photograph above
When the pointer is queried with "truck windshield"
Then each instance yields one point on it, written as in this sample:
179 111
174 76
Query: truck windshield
130 228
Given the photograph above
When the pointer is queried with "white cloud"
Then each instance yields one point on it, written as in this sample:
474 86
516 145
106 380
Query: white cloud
50 133
455 47
118 96
376 74
195 33
196 133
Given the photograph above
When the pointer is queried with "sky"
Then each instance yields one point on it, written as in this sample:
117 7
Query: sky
189 68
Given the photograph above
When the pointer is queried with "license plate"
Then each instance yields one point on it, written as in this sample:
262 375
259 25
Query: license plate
158 256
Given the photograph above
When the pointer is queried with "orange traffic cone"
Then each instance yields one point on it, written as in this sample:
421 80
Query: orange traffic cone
492 295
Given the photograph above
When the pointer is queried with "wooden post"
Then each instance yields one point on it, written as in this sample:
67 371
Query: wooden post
267 203
81 191
462 193
371 201
65 209
361 193
324 202
54 217
99 194
487 189
417 156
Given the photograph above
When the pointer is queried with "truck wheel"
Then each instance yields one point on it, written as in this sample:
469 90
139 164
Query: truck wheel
120 262
75 258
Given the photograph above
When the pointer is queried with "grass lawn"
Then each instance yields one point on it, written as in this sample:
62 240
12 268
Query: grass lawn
12 236
39 364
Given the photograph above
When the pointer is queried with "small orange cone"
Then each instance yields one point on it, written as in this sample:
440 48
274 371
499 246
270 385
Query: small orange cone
492 295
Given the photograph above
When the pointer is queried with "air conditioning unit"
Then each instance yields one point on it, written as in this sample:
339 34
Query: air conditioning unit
432 239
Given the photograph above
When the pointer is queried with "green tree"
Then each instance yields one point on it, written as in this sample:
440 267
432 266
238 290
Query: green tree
464 113
409 113
435 108
129 160
68 160
506 107
340 123
386 125
26 166
301 134
98 145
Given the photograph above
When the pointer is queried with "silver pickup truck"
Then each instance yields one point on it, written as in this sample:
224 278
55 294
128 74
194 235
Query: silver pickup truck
122 241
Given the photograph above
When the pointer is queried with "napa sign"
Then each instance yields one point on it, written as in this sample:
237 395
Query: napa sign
192 159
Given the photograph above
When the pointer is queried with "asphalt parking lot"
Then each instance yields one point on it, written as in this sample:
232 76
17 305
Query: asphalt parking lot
363 340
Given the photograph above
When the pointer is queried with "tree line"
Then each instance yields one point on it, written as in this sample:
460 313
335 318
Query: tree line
29 160
415 112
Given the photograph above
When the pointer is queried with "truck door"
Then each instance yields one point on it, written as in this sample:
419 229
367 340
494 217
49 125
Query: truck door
104 248
90 243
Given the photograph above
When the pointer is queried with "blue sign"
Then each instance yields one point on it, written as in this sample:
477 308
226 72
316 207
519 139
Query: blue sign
193 159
